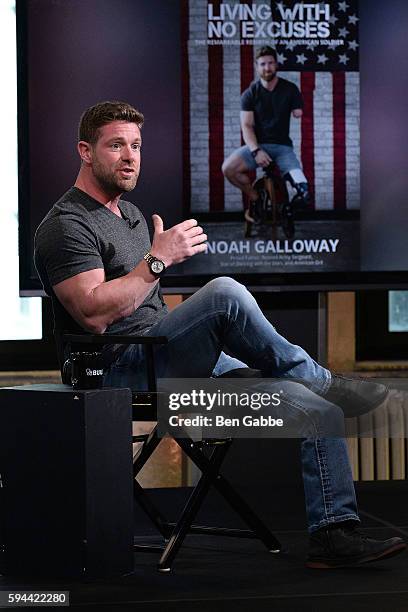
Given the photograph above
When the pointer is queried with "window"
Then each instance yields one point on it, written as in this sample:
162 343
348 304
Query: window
398 311
20 318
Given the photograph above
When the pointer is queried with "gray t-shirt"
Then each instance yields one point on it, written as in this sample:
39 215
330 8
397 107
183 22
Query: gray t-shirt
272 110
80 234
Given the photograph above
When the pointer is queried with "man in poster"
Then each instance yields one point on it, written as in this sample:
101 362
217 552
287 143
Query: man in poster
266 109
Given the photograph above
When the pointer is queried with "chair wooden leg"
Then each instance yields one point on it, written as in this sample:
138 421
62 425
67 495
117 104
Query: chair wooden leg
154 514
148 448
191 508
235 500
175 533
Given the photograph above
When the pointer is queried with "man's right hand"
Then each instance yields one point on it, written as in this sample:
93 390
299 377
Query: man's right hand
262 159
179 242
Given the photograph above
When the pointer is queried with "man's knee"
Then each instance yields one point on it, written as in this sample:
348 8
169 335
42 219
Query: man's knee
227 168
225 284
233 165
225 296
226 288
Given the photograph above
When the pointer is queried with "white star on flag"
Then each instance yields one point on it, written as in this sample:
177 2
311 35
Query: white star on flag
353 19
343 6
333 19
281 58
322 59
290 44
353 45
343 32
300 59
343 59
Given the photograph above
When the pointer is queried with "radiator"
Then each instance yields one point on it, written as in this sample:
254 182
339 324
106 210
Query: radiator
384 456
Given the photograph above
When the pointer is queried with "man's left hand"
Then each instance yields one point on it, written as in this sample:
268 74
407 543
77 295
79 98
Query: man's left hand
262 159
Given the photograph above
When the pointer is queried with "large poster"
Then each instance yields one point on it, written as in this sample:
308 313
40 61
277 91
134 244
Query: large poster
317 48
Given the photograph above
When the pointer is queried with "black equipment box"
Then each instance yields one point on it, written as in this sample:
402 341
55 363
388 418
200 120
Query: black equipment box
66 481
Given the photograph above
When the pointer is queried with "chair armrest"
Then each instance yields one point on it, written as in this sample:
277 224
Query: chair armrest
100 340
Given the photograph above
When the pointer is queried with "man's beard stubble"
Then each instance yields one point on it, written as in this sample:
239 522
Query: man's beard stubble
269 77
110 183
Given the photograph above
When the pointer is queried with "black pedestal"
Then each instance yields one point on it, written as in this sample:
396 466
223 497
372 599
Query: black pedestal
66 499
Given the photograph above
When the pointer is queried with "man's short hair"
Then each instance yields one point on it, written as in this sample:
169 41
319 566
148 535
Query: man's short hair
266 50
103 113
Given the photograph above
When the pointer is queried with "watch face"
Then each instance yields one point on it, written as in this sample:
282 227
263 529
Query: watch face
157 266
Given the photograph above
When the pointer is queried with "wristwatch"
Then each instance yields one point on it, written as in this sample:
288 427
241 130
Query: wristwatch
254 153
157 266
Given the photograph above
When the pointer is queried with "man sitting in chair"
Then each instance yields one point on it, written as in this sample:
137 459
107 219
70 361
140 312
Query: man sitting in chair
94 258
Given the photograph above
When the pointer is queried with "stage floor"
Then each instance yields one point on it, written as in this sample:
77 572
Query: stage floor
219 574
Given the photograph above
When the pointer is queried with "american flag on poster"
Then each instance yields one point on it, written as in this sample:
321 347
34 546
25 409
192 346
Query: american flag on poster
317 45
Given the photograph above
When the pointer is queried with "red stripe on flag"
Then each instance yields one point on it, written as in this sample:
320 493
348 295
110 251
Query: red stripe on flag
247 76
307 86
339 140
216 122
185 85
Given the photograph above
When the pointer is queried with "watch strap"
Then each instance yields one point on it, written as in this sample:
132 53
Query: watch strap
149 258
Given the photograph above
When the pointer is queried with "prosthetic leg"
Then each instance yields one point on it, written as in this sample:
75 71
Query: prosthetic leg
298 181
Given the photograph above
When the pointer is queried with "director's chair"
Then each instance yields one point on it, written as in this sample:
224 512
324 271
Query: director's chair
207 455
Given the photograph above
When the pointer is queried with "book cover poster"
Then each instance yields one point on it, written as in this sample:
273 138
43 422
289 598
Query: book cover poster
317 47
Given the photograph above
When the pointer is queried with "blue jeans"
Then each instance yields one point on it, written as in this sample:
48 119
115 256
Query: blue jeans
283 155
224 315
